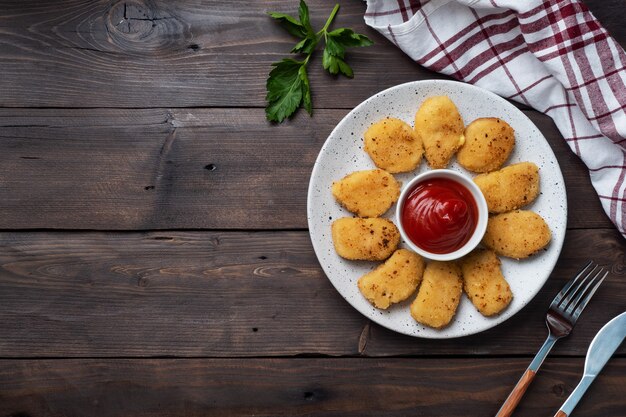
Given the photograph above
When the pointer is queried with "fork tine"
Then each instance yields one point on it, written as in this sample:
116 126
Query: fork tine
581 292
574 292
568 286
590 294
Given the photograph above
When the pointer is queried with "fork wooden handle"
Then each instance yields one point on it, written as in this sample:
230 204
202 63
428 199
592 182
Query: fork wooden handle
516 395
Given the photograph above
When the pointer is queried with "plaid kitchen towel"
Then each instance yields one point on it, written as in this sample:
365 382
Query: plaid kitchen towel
551 55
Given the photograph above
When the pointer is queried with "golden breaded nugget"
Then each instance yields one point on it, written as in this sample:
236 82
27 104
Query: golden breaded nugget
393 145
393 281
484 283
367 193
439 294
510 188
365 239
440 126
517 234
488 144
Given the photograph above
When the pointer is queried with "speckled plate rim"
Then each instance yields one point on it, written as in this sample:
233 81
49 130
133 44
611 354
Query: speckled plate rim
556 243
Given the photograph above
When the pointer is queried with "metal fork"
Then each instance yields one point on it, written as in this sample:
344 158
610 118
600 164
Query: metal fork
561 318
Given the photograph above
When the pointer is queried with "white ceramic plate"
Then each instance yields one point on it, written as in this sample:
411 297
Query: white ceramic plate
343 153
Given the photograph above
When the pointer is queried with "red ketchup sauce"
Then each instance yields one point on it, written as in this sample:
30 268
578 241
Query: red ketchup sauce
439 215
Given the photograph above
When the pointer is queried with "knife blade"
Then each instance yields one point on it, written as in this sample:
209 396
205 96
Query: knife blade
600 351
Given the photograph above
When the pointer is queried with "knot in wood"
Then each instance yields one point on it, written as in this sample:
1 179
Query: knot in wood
140 26
558 390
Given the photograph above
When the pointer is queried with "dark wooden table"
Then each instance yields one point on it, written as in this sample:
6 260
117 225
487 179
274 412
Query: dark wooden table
154 256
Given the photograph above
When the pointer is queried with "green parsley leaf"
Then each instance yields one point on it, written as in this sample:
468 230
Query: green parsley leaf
303 12
334 48
288 83
305 46
345 68
284 89
335 64
348 39
329 62
306 90
291 24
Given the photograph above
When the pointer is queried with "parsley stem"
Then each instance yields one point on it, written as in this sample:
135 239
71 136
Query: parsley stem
330 19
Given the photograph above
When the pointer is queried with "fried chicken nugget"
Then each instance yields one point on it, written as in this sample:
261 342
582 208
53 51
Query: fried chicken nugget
393 145
440 126
439 294
517 234
484 283
367 193
510 188
488 144
365 239
393 281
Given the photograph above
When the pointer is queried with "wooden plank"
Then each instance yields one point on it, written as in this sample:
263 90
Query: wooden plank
185 53
235 294
298 387
188 53
185 168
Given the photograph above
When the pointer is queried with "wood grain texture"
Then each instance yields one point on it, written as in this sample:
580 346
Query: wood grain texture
186 168
155 53
144 53
238 294
297 387
101 128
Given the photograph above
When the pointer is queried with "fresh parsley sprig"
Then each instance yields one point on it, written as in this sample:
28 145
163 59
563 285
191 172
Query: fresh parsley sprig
288 83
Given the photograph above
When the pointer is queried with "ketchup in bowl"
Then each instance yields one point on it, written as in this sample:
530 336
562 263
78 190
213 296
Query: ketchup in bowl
439 215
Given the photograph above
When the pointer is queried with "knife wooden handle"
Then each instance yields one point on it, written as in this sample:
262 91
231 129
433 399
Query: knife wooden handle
516 395
560 414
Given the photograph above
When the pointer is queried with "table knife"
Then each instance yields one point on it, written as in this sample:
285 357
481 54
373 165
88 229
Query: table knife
600 351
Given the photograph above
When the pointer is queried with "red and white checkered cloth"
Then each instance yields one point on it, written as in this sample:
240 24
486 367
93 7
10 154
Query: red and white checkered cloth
551 55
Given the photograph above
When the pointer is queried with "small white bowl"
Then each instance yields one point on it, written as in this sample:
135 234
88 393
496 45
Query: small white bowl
481 204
